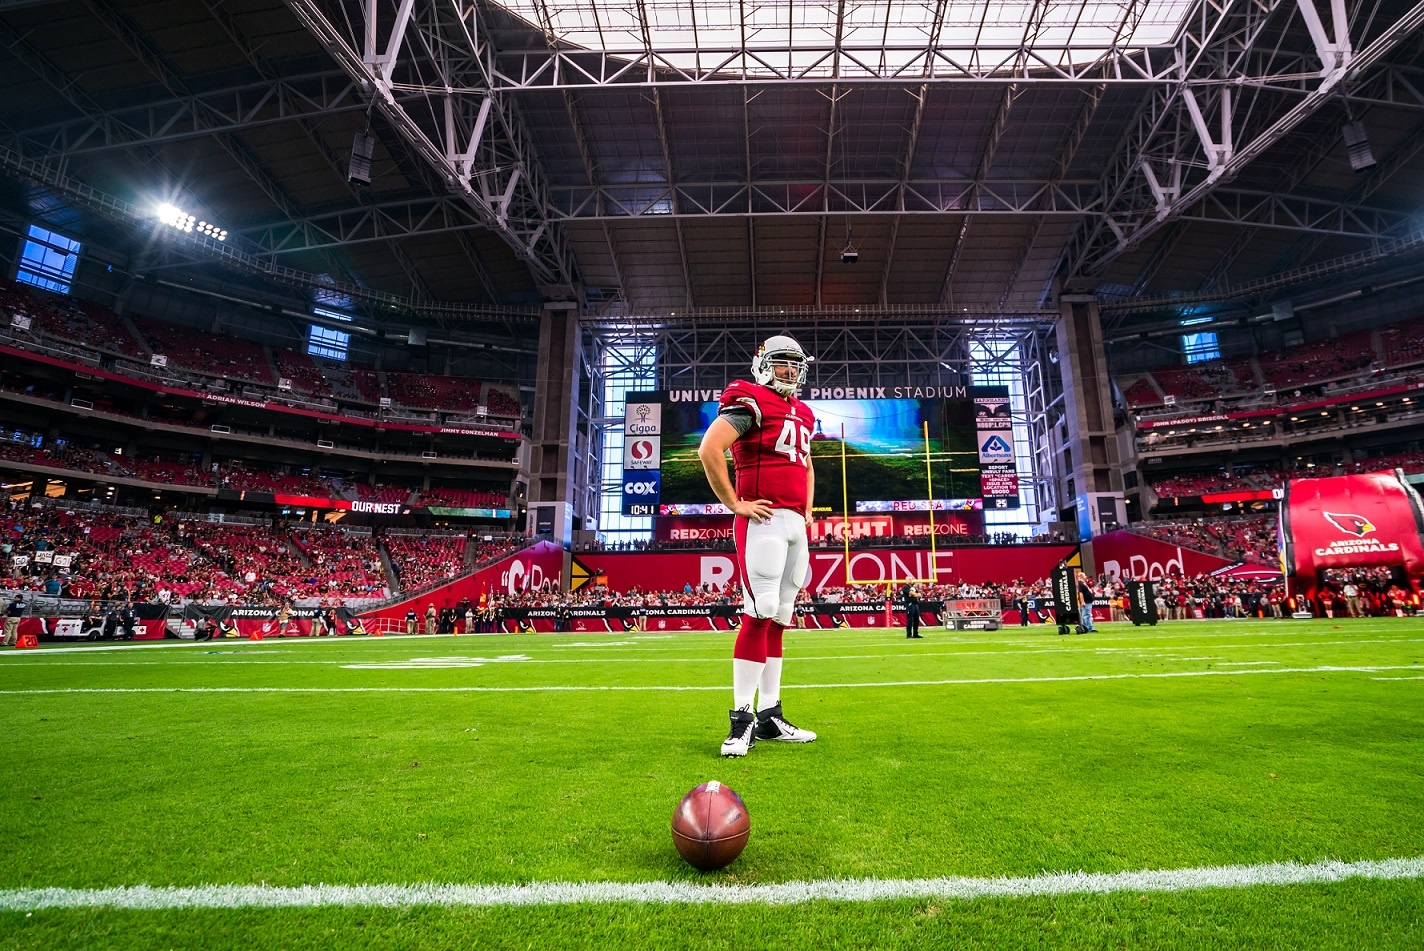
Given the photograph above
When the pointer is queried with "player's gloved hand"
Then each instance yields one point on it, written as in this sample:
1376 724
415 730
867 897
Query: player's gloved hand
760 510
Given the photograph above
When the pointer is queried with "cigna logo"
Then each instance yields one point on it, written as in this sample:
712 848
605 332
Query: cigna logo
1356 525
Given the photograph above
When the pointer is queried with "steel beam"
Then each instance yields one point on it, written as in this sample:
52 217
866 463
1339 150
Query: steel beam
469 133
161 121
1176 138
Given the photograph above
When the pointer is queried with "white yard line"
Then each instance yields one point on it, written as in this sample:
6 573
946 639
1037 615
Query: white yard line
594 688
920 653
147 898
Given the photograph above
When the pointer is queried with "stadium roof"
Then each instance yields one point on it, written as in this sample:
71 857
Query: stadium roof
667 156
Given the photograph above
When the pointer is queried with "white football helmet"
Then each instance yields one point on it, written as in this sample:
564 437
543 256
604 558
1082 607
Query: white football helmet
780 351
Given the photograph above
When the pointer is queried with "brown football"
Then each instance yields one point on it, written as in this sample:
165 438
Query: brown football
710 826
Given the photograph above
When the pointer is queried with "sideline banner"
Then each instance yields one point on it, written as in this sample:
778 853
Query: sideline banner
815 615
219 621
671 571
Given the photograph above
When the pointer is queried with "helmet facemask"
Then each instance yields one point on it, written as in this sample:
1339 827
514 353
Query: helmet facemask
781 352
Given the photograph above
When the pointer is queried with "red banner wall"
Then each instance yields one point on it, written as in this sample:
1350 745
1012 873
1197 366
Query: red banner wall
670 571
530 568
1352 521
1125 554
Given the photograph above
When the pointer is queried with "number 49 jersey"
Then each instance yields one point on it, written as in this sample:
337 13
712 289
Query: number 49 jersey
773 456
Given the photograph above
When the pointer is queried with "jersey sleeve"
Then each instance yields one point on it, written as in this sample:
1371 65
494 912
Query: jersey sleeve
739 400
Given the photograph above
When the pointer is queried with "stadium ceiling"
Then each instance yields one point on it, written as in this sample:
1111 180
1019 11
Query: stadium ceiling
656 156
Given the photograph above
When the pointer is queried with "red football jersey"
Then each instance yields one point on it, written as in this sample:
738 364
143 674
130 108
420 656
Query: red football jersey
773 456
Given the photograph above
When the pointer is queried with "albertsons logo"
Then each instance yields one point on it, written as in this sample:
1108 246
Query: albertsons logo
995 448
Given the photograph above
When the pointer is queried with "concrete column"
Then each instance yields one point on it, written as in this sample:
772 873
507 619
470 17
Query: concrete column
1094 477
551 466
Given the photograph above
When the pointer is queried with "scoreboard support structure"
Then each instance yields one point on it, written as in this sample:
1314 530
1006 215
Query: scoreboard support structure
845 520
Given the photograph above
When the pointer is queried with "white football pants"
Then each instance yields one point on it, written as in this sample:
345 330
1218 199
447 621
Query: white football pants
773 563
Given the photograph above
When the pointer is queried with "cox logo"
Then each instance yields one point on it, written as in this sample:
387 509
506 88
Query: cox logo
640 488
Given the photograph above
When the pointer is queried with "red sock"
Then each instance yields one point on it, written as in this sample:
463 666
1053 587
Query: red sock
751 640
773 638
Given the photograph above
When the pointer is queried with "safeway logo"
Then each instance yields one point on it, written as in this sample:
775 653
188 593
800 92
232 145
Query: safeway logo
642 452
1356 525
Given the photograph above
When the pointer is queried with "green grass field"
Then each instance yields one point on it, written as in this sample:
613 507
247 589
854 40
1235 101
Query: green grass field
519 759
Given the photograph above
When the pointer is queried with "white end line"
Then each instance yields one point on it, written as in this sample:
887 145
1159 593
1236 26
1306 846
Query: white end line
150 898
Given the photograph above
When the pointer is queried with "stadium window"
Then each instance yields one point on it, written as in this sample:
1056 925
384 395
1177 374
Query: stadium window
1200 347
328 343
48 260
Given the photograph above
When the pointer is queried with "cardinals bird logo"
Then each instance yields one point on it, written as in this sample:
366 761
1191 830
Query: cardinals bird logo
1356 525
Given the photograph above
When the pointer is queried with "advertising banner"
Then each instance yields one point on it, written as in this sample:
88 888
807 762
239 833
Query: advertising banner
1122 555
642 455
908 524
671 571
641 452
529 569
226 621
640 492
993 424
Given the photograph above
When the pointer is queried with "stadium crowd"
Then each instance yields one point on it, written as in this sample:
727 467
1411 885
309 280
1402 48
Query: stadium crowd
237 475
1291 372
1263 477
1250 538
114 555
87 328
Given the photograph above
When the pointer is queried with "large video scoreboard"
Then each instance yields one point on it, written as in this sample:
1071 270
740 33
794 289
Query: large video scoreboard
970 462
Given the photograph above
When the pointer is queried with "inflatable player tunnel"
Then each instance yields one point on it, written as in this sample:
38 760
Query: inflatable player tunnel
1354 521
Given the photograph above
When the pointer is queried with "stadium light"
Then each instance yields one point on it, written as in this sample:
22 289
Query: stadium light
178 218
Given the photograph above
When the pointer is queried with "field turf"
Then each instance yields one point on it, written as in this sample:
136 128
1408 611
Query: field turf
519 759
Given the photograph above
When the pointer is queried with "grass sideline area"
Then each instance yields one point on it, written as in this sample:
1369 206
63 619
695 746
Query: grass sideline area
516 759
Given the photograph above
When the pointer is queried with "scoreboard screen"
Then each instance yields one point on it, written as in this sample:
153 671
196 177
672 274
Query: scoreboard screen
970 453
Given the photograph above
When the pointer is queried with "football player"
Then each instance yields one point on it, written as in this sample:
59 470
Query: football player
769 433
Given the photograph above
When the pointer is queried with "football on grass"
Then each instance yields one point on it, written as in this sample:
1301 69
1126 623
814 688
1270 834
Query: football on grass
711 826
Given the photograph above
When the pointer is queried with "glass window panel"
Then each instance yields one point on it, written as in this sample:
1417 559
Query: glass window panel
48 260
1200 347
328 343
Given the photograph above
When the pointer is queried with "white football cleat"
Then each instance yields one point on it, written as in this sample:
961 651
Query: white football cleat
771 725
743 734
